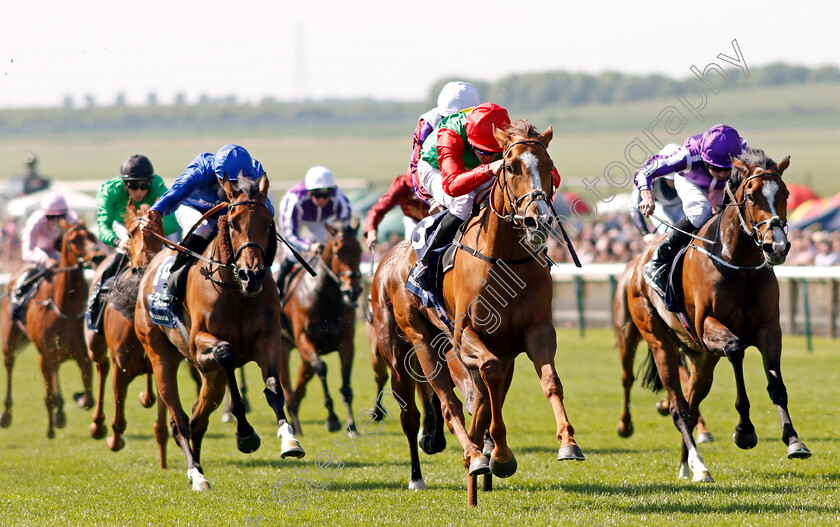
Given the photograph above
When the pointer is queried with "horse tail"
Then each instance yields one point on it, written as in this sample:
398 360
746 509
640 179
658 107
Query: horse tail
649 374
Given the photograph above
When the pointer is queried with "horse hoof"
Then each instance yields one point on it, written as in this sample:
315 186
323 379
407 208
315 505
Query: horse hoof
625 430
51 433
114 444
745 441
147 400
798 450
98 430
377 415
227 417
6 420
479 466
291 448
663 406
417 484
333 424
570 453
83 400
197 480
489 445
60 420
705 437
249 443
427 446
503 469
703 477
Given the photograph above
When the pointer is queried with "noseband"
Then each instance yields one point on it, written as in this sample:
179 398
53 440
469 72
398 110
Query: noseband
514 202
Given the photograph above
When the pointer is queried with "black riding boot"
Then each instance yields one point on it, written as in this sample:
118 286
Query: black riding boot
286 267
95 306
181 266
442 237
655 270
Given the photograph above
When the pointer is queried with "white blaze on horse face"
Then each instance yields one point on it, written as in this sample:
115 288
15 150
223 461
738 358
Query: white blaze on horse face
769 190
532 163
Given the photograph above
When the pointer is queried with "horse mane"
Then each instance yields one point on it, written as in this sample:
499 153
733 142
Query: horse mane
123 296
752 157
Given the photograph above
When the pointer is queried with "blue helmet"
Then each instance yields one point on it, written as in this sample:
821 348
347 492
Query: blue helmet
233 161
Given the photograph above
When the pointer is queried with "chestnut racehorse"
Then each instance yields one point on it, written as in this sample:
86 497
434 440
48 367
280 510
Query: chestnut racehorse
321 311
231 316
731 299
119 338
54 323
498 297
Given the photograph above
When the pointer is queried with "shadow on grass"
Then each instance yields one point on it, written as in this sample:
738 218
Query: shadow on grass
303 464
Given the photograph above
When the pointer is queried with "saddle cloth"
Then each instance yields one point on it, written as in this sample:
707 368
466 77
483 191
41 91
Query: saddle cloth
161 311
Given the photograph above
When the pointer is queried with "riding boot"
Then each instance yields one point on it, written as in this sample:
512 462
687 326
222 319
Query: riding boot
95 307
180 267
655 271
286 267
442 237
23 285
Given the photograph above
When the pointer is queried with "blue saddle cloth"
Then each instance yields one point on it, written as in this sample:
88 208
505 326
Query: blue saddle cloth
433 296
161 310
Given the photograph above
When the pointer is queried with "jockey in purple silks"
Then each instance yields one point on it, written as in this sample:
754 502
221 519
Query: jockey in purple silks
701 168
304 212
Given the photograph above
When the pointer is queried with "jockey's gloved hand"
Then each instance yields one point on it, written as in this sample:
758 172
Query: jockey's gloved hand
123 246
370 239
316 248
150 220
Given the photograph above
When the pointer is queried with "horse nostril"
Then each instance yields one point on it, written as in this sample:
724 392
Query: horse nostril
530 223
243 275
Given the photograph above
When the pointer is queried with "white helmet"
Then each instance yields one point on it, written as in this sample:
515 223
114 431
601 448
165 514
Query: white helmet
456 96
319 177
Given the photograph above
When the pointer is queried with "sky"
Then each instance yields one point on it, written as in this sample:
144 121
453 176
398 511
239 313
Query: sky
380 49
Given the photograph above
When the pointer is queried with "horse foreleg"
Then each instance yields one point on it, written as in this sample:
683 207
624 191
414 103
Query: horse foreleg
222 353
118 424
628 342
53 400
289 445
161 433
346 352
9 363
97 427
210 397
403 387
380 371
84 399
309 354
771 350
280 365
540 347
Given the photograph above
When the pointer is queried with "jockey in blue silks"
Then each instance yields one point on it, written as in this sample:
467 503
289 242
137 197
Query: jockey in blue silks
195 192
701 168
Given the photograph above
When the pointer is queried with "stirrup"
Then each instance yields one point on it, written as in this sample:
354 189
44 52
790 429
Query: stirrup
654 277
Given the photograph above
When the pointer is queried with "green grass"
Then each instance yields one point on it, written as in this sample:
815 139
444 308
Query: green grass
75 480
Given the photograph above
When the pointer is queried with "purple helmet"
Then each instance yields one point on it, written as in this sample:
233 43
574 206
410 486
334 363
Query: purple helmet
719 143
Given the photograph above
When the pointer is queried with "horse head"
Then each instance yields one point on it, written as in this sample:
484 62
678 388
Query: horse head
79 246
342 255
762 202
250 229
525 184
142 246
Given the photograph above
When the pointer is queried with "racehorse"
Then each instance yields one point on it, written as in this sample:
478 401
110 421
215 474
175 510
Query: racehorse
321 311
498 299
126 352
731 301
231 316
54 323
628 342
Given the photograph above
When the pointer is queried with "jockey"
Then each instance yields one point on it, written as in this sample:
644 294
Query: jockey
666 196
38 241
701 168
406 190
195 192
309 204
139 183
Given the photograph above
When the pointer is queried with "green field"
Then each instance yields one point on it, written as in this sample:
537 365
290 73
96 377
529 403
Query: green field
798 120
75 480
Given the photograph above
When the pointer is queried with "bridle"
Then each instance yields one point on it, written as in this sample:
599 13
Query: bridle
513 202
81 262
755 232
328 265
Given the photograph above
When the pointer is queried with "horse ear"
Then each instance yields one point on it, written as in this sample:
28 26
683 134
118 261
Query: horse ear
264 184
740 165
502 137
547 136
783 165
354 223
227 186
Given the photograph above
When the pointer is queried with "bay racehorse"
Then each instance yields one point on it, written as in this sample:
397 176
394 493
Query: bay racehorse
731 302
119 339
231 316
498 299
54 322
321 311
628 339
